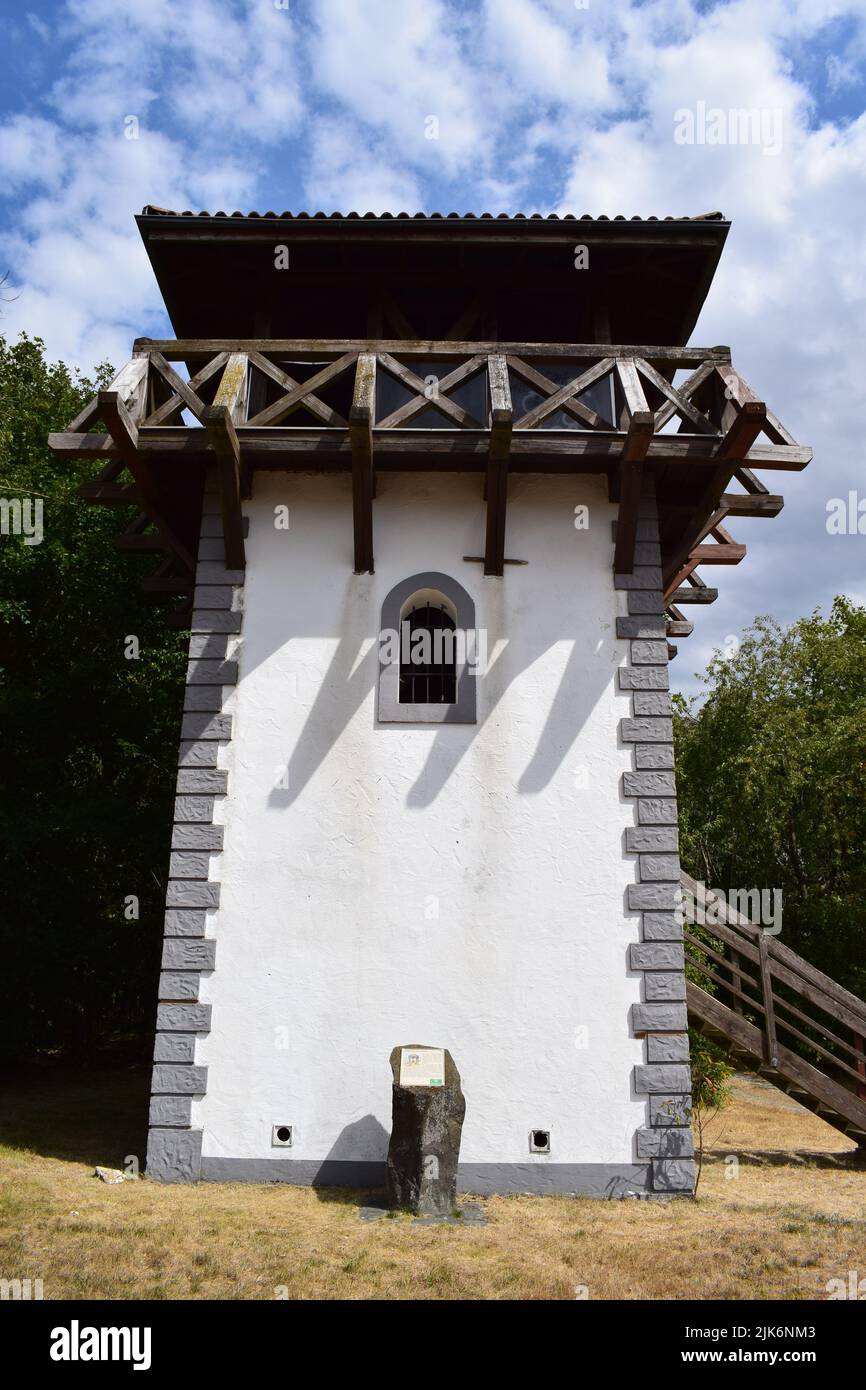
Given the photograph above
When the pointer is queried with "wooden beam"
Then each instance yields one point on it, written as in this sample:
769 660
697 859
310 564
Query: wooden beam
718 554
111 494
124 433
546 451
688 593
679 627
755 504
635 449
501 425
223 439
312 349
361 438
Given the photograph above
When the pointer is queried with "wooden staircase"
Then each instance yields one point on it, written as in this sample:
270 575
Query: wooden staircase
765 1002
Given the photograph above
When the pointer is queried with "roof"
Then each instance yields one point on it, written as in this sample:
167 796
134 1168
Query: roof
151 210
216 272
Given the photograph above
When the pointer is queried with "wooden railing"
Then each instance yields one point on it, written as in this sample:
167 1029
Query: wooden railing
764 998
492 407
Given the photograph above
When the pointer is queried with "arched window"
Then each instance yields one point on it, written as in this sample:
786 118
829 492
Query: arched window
428 653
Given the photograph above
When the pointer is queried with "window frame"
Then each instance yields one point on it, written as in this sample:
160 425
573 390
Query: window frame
390 710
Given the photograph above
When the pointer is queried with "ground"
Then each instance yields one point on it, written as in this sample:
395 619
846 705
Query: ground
773 1231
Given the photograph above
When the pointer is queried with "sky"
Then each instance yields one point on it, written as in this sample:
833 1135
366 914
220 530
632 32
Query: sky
541 106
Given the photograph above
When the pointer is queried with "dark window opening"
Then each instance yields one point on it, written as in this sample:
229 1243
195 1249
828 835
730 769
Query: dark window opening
428 660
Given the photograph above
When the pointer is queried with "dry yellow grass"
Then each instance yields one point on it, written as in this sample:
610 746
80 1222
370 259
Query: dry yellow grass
777 1232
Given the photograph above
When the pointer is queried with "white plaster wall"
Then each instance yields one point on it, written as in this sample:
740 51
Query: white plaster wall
456 886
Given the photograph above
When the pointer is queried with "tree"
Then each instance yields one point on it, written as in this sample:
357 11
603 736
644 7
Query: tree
90 740
771 780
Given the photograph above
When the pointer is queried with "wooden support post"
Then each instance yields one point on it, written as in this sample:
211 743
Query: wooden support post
124 433
637 442
363 477
223 439
496 492
772 1047
860 1049
233 393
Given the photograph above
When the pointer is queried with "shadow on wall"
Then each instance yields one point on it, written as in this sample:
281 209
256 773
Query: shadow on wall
356 1160
352 674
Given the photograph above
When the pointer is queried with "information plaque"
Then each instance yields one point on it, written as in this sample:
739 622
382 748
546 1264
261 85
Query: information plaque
422 1066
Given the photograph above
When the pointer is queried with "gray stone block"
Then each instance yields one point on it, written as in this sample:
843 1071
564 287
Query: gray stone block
211 646
189 864
179 985
174 1155
185 921
207 726
212 572
658 868
656 955
645 601
647 553
662 926
673 1175
202 754
652 839
649 653
207 672
198 809
648 625
208 781
212 620
197 698
171 1110
174 1047
650 756
211 548
193 893
649 784
659 1018
197 837
214 596
188 953
657 811
657 1078
665 1143
641 577
183 1018
643 678
646 730
652 897
211 524
655 704
179 1081
667 1047
670 1110
661 984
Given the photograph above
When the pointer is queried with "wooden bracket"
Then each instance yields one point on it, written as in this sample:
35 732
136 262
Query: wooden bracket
501 424
363 466
223 439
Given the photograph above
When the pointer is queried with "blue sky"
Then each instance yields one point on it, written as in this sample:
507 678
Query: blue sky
542 105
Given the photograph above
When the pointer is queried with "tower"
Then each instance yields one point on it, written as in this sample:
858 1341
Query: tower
433 491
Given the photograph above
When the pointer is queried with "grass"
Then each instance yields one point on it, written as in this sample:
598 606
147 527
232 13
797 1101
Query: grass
771 1232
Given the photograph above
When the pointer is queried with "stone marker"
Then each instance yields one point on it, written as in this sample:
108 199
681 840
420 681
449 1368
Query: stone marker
427 1118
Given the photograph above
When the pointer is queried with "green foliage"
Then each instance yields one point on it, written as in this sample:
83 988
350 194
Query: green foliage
711 1075
771 780
89 740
